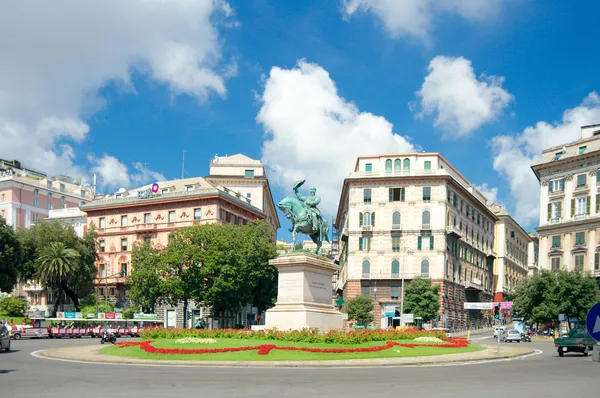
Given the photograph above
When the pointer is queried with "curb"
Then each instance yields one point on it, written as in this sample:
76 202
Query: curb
93 356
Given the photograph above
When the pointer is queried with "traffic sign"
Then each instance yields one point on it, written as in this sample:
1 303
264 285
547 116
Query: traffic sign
592 322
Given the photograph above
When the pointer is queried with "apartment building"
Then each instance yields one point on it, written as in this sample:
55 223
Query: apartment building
513 246
406 215
569 230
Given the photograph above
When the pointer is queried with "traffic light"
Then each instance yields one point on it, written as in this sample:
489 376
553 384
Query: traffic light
497 312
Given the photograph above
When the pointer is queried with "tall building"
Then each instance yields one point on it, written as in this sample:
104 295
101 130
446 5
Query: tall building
152 212
570 204
512 245
406 215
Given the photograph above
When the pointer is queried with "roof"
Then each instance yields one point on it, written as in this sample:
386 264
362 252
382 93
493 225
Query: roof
561 154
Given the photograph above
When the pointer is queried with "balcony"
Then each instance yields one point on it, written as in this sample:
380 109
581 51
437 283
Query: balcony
32 287
490 253
426 227
367 228
396 227
143 228
582 188
365 275
474 284
453 230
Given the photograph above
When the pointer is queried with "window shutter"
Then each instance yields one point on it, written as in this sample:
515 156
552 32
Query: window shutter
588 203
419 242
431 242
360 244
360 219
549 211
597 203
391 193
559 209
368 244
562 184
549 186
402 194
572 207
373 219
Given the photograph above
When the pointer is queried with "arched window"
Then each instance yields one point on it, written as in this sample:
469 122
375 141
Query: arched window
426 217
396 219
425 268
395 267
406 164
388 165
397 165
366 267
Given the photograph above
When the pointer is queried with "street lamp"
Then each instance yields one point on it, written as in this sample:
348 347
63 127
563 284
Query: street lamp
402 300
121 274
375 306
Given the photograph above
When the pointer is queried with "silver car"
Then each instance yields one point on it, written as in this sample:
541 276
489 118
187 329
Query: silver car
4 338
512 335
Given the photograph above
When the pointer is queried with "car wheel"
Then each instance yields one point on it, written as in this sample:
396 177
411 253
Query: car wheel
17 336
8 347
585 354
560 352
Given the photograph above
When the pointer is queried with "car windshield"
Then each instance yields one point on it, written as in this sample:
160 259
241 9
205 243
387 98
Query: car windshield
513 332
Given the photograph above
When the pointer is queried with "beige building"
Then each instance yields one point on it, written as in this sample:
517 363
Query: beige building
407 215
512 245
569 230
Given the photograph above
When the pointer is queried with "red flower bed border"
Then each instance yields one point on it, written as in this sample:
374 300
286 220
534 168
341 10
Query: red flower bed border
264 349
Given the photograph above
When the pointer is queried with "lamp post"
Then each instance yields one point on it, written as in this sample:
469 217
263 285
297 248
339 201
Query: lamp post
375 306
402 300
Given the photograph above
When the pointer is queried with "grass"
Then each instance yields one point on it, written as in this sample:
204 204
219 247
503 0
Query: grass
18 320
277 355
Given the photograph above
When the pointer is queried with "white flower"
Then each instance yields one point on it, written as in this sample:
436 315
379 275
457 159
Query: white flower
195 340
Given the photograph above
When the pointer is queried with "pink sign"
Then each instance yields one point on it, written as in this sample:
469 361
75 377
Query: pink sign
505 305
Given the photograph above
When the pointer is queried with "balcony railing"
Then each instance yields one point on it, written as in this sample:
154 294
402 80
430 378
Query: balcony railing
32 287
367 227
396 227
425 226
453 230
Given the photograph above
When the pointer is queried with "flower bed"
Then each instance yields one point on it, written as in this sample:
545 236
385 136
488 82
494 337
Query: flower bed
428 339
349 336
195 340
265 349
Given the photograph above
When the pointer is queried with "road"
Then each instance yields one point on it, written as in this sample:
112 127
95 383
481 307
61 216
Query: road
545 375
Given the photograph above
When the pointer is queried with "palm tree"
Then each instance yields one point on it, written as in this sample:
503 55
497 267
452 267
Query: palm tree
57 262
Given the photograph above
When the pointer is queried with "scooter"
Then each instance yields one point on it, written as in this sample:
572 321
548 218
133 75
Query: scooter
106 337
526 338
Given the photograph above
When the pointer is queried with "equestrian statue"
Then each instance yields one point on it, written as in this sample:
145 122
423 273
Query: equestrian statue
305 216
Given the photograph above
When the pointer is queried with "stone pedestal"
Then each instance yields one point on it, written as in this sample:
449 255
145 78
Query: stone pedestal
304 298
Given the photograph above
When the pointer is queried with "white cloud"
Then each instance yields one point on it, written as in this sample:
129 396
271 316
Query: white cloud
513 155
415 18
58 57
491 193
460 101
114 175
314 134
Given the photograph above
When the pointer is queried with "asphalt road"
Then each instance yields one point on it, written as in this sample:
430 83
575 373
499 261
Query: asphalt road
546 375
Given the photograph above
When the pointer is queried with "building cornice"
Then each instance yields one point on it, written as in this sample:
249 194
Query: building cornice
569 226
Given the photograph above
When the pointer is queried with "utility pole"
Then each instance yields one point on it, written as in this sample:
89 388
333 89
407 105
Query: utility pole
183 165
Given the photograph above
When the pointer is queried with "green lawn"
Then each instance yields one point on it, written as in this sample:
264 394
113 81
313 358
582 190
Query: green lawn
18 320
277 355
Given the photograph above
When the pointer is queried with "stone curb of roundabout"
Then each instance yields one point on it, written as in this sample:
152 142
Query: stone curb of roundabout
91 354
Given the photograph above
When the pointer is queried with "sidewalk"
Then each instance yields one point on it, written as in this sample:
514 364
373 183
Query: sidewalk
92 354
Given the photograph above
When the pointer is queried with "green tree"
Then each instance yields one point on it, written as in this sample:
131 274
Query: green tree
11 257
38 238
91 308
56 265
13 306
360 309
422 299
577 293
145 285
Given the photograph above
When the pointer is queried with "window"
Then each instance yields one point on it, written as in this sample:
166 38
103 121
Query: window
556 241
172 216
368 167
388 165
579 262
35 217
427 194
49 300
366 267
580 238
397 165
396 220
366 219
582 149
123 245
580 206
147 218
249 195
431 240
556 185
395 267
62 187
425 268
147 239
102 246
394 292
35 202
419 242
249 173
189 188
49 206
164 191
554 210
3 198
36 299
101 222
555 264
427 165
364 290
395 243
425 218
124 269
367 195
596 261
62 199
406 164
396 194
364 243
512 234
123 221
557 155
197 214
102 270
36 192
101 293
49 195
581 180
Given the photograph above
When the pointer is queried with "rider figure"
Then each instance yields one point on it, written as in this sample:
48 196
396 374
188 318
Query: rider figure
310 203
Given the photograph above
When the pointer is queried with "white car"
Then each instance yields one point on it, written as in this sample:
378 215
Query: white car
512 335
498 330
4 338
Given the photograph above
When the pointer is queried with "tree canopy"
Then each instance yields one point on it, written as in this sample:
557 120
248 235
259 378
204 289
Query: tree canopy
422 299
145 285
540 298
360 309
11 257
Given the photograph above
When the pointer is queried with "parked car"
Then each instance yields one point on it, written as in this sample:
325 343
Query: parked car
445 330
4 338
578 340
512 335
498 330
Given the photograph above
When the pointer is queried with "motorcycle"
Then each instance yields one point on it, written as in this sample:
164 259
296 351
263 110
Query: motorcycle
526 338
106 337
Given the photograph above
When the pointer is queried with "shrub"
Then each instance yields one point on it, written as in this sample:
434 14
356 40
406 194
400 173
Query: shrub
13 306
350 336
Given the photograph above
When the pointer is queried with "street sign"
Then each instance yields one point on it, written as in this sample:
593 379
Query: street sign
592 322
562 317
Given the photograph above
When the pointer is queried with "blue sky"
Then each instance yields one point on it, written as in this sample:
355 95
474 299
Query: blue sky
122 89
